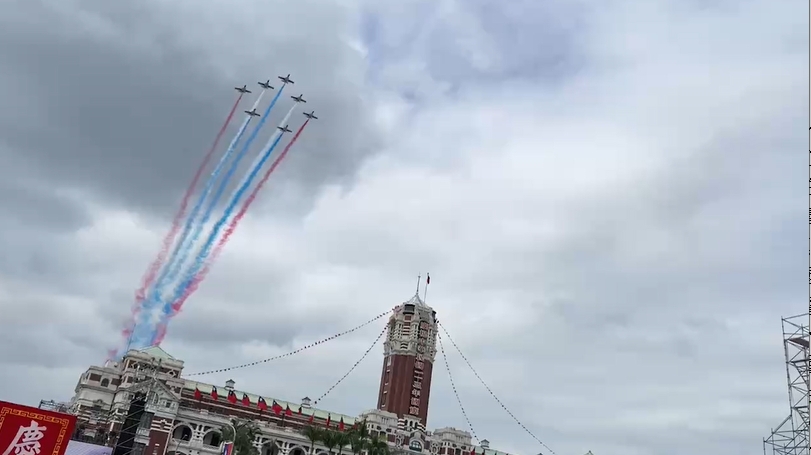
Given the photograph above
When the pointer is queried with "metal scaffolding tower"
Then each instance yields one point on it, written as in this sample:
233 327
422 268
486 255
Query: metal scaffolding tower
791 437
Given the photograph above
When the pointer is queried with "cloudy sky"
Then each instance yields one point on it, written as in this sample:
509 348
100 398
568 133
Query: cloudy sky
609 196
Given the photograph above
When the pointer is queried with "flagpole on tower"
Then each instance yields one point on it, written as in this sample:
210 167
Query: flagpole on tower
419 277
427 282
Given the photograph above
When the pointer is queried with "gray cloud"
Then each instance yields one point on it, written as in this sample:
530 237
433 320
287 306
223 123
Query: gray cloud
613 219
114 97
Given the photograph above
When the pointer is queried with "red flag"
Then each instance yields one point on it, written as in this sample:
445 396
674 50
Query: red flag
245 400
232 397
197 395
299 410
310 420
329 418
263 406
214 393
287 411
276 407
427 278
341 424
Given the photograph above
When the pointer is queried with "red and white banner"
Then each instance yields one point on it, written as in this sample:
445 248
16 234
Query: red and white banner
30 431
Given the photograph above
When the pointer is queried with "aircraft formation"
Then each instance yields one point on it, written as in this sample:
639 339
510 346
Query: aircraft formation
192 245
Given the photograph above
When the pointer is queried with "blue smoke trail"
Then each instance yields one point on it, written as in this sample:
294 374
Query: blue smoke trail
146 329
205 251
176 259
185 251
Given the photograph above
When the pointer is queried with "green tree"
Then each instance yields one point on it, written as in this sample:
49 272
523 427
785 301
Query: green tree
341 441
246 432
358 436
314 434
376 446
330 439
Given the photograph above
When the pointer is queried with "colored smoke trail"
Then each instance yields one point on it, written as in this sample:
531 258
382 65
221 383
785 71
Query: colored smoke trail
183 255
185 242
149 277
195 283
152 271
205 251
158 306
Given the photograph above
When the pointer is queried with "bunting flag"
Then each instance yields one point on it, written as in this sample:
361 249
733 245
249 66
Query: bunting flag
341 424
214 393
232 397
329 418
287 411
197 394
245 400
262 404
310 420
276 407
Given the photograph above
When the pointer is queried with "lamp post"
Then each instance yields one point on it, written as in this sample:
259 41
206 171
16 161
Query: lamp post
234 430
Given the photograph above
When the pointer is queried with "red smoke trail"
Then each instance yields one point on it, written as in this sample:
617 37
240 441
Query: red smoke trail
176 306
149 277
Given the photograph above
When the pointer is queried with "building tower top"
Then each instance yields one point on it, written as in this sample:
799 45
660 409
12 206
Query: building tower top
409 350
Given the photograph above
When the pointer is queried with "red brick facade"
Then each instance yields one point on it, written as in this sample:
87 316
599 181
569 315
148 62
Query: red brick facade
396 386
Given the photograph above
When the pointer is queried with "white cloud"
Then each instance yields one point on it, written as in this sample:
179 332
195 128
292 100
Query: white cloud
611 249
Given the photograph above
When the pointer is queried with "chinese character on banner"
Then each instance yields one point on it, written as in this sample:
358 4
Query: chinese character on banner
415 393
413 410
415 402
417 385
419 365
26 442
30 431
420 358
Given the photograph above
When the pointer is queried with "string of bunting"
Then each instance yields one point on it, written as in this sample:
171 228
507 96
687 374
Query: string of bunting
303 348
491 391
453 386
353 366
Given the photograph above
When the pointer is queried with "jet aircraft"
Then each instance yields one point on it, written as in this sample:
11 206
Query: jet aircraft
243 89
311 115
252 113
266 85
284 129
299 99
286 79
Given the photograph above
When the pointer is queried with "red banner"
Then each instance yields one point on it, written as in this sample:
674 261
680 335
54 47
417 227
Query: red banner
30 431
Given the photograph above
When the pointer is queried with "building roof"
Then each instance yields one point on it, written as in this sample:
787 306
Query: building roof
318 413
158 353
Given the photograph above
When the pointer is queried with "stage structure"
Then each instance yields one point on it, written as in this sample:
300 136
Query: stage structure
791 436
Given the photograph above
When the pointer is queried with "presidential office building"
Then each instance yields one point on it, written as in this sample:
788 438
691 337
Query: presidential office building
185 417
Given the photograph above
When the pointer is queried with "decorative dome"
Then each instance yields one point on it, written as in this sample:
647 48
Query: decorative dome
416 300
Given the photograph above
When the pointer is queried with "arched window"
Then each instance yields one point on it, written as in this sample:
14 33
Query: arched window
270 448
105 382
212 439
182 433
